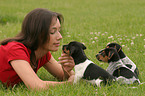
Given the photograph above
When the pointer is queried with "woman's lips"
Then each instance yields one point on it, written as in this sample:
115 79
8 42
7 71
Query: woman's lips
57 44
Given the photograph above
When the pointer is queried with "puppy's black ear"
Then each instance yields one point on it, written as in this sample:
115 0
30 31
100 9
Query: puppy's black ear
71 50
115 45
83 46
110 54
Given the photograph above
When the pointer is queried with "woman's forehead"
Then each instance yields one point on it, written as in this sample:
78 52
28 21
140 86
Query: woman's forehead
55 21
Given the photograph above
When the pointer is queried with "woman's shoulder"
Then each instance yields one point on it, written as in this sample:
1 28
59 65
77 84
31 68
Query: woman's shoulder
13 46
14 43
14 51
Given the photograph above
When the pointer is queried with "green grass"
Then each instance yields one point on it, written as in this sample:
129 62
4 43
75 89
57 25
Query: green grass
93 22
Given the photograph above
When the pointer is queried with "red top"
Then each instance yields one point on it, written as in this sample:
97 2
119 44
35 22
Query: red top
15 51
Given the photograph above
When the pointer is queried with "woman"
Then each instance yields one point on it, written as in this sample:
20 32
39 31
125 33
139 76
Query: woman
23 55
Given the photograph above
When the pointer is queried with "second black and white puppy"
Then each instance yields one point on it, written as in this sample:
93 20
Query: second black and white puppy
85 68
125 59
121 72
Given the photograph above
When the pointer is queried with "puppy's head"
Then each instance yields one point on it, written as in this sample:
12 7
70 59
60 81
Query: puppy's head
114 45
73 47
106 54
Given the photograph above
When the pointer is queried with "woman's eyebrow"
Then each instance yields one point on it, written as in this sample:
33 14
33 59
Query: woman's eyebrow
55 27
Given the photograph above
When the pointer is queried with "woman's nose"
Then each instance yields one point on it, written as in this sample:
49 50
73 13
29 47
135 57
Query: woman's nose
59 36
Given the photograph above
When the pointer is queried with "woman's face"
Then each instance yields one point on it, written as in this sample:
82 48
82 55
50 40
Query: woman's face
55 36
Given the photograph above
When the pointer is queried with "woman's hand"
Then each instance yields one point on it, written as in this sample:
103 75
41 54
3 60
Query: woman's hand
71 79
67 62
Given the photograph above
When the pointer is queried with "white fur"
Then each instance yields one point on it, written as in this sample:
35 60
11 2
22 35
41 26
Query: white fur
126 60
115 65
123 80
95 82
80 69
98 81
79 72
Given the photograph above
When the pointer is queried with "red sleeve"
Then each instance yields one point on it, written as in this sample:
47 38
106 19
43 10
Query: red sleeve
48 56
18 52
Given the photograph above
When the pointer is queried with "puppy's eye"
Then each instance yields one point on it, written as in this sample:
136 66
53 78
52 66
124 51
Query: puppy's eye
67 48
103 54
107 47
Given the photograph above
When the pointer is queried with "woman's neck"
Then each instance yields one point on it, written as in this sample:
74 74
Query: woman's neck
40 53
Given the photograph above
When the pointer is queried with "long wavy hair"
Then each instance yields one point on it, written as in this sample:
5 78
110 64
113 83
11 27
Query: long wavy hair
35 31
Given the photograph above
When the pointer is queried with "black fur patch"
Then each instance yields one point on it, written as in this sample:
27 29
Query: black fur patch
94 72
122 71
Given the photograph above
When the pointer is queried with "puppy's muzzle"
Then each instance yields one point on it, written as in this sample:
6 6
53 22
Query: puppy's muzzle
98 57
101 56
65 49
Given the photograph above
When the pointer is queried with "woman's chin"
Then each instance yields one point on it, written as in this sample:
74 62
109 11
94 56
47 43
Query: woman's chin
54 50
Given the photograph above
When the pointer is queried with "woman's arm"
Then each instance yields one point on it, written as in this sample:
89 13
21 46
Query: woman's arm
58 70
67 63
29 77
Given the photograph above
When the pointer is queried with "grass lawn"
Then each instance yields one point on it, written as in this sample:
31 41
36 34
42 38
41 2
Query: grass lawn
93 22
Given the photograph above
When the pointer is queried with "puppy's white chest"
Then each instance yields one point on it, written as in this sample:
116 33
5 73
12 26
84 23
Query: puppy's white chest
114 65
80 69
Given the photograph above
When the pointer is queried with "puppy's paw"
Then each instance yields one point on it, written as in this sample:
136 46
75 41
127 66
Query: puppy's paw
98 82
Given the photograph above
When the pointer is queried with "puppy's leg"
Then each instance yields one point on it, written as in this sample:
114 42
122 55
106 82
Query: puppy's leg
95 82
98 82
76 79
124 80
125 76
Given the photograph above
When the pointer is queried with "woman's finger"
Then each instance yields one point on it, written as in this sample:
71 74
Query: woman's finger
65 58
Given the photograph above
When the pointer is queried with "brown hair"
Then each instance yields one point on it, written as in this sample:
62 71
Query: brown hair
35 29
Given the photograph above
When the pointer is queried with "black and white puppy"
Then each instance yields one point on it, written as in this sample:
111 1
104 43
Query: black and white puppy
85 68
129 63
121 72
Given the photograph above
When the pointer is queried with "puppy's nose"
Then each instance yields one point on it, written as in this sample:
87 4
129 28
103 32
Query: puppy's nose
64 48
97 56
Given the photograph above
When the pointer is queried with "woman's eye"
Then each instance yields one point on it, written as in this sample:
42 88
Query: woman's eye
52 32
